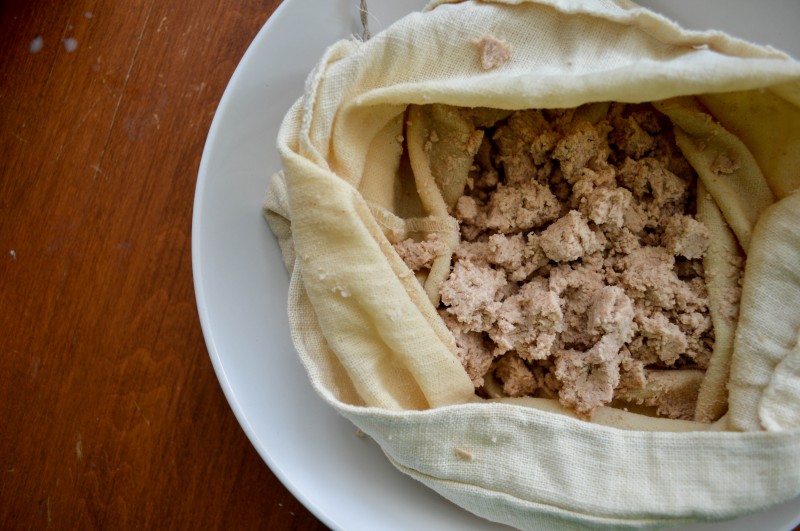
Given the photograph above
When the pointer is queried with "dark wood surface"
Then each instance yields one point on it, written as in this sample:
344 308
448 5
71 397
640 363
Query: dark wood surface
111 416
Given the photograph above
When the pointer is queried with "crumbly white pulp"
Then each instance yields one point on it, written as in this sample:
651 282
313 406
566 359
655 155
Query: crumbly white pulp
579 274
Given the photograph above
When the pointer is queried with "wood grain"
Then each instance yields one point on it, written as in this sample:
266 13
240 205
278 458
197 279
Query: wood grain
112 417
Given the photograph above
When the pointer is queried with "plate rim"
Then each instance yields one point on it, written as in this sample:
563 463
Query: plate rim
225 103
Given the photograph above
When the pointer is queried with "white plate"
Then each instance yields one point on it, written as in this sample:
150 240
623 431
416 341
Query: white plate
241 284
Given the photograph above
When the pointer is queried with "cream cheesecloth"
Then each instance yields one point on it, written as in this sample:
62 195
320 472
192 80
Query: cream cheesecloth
367 330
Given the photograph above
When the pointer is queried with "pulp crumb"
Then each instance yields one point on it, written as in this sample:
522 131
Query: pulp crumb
465 455
579 273
420 255
13 254
36 45
360 434
341 291
493 52
70 44
725 165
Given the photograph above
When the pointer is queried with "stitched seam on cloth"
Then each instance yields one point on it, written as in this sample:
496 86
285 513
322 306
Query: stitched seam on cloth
777 439
380 412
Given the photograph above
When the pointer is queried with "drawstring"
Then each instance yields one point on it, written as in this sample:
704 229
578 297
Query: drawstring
365 35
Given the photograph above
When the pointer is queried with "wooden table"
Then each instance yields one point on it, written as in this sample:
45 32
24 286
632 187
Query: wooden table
111 416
